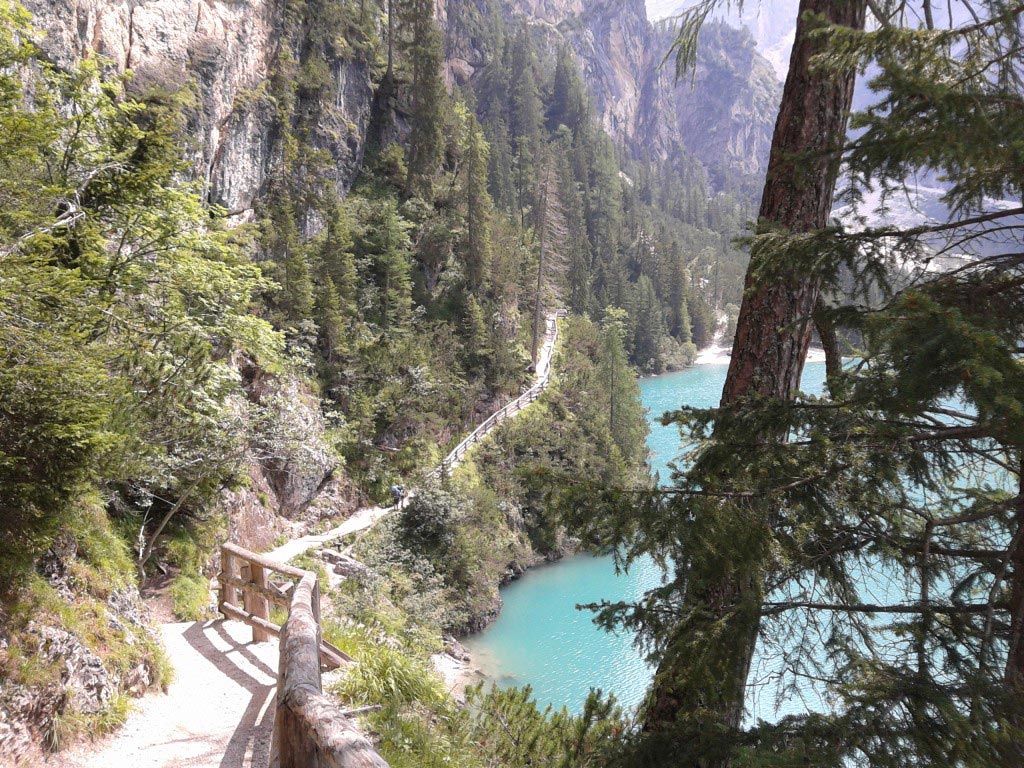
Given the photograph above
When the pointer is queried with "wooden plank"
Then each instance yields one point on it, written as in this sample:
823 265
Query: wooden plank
269 592
255 602
234 612
341 657
227 591
266 562
310 730
334 739
330 654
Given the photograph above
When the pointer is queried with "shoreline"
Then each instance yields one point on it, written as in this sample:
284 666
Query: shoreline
458 666
715 354
719 355
457 674
460 673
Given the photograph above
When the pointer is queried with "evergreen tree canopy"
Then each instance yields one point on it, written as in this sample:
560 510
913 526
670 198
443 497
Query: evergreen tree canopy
872 537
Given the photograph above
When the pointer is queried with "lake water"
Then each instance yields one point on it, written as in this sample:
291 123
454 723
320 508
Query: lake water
540 638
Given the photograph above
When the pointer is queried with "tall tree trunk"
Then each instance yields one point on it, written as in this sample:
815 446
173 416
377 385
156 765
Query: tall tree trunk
772 336
389 75
826 329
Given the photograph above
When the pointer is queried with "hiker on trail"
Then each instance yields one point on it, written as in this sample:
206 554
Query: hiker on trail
398 493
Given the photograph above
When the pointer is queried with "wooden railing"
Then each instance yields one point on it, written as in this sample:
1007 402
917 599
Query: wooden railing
310 730
530 395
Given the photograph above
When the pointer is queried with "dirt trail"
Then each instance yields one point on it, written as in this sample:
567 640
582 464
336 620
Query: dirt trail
368 516
218 712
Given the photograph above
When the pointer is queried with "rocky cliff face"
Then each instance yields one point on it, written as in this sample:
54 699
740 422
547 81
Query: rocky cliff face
222 54
723 114
222 58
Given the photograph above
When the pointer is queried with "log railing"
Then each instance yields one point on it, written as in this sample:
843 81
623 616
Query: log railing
310 730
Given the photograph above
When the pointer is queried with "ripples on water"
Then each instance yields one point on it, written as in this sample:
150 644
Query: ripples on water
540 638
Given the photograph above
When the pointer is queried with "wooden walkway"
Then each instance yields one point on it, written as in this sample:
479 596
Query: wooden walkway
367 517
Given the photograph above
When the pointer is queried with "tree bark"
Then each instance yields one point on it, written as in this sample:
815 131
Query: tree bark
773 330
830 343
772 337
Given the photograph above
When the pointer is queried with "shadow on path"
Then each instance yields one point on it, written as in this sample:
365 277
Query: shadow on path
256 724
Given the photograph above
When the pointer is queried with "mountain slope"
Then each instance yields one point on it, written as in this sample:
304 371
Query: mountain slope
723 114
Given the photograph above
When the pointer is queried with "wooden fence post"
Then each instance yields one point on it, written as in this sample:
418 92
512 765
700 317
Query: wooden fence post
227 592
256 604
315 605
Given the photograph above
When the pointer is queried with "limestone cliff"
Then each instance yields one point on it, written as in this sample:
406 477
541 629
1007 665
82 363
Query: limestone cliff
223 54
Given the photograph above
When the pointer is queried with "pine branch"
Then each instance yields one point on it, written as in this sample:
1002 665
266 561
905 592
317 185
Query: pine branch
774 608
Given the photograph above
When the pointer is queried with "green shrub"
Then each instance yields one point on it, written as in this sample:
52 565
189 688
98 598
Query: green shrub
385 675
190 597
425 739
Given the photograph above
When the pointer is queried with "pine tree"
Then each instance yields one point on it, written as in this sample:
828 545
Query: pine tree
427 93
909 475
479 208
384 242
477 335
649 327
620 385
525 119
568 105
725 582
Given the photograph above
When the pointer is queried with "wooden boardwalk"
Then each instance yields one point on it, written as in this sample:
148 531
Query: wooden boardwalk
367 517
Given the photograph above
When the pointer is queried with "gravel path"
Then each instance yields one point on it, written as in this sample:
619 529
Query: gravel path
218 712
360 521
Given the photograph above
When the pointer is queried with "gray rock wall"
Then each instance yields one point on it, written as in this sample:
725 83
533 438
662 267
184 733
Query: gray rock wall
222 53
723 114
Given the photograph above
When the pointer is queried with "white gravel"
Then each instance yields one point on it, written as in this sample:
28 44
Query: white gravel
218 712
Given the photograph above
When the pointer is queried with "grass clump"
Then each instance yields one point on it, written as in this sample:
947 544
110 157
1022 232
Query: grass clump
190 597
386 675
90 599
70 725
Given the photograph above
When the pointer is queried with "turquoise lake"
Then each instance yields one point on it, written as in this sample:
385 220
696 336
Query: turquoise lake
540 638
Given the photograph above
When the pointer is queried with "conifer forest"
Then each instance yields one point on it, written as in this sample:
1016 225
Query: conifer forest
325 321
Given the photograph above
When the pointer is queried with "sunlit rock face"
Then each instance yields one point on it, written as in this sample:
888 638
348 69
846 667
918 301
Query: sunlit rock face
219 55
